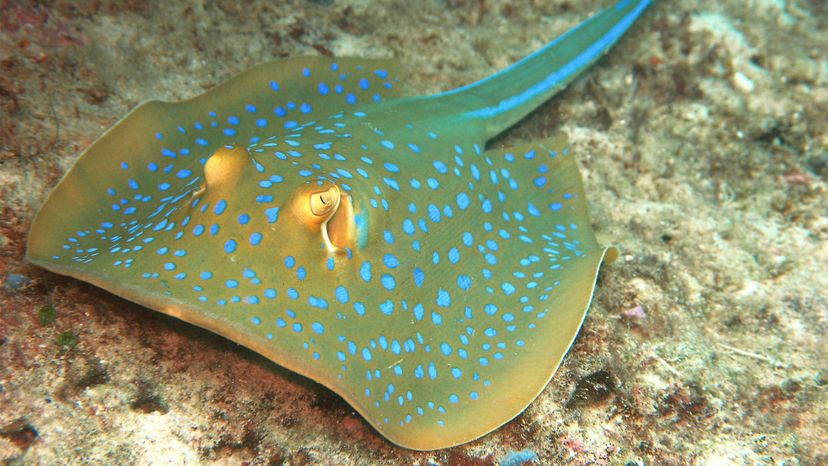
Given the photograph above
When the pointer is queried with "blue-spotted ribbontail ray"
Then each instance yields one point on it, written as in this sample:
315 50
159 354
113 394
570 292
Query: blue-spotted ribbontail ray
367 240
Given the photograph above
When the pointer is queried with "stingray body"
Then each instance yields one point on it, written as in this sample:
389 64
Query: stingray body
307 210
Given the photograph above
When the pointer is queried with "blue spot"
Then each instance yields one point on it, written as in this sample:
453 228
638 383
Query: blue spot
468 240
255 239
392 183
290 262
555 206
453 398
408 227
445 348
440 167
359 307
365 271
391 167
443 298
230 246
231 284
221 206
508 288
364 84
419 276
487 206
366 354
418 312
456 372
387 144
387 307
169 266
270 293
464 282
318 328
206 275
272 214
342 294
297 327
432 371
434 213
388 282
454 255
324 89
391 261
437 318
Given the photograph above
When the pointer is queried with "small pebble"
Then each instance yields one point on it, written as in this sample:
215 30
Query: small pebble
743 83
15 281
634 313
517 458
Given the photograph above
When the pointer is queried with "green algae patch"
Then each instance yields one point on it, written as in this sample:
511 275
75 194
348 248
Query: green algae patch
67 340
47 315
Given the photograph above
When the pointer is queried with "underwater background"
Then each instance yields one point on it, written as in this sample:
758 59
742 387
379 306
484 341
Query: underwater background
702 138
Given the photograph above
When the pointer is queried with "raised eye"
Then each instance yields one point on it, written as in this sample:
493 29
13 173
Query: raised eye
322 203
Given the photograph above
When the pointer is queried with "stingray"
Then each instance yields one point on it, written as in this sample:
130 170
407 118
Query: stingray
368 240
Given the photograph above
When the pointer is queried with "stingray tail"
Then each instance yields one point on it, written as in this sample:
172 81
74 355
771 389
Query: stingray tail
502 99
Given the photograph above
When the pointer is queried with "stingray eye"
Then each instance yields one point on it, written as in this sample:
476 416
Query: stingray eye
323 203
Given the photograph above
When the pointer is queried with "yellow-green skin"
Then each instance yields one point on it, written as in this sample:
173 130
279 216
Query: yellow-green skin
365 240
